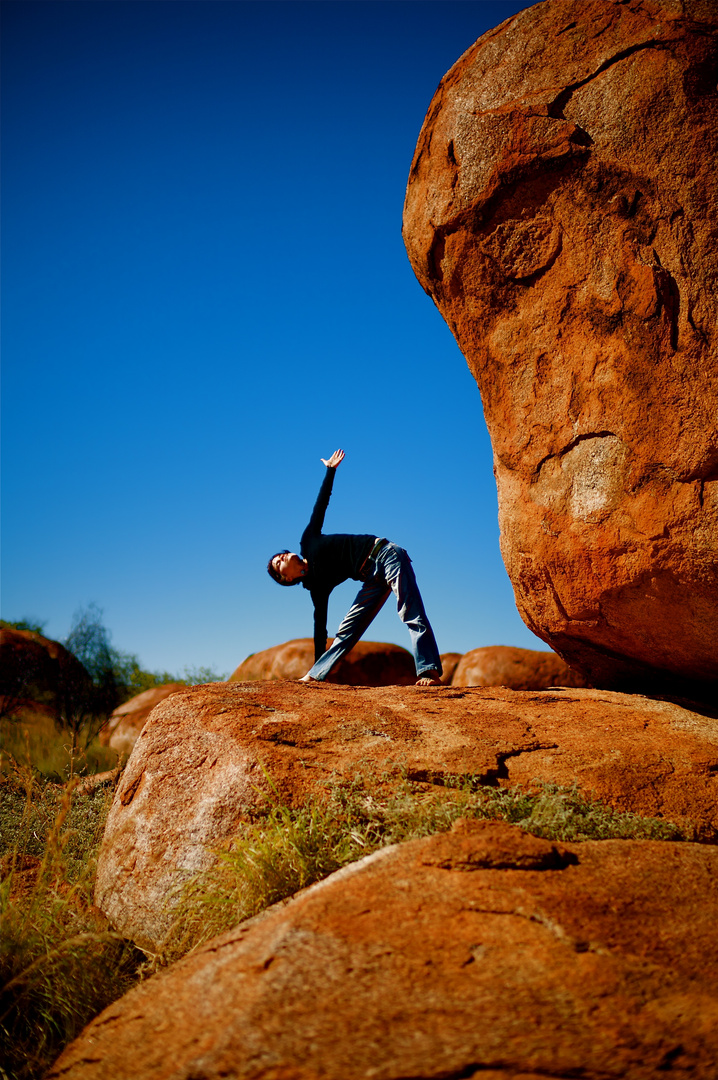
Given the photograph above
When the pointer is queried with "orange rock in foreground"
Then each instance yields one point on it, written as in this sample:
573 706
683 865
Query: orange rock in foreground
370 663
205 758
519 669
562 210
483 952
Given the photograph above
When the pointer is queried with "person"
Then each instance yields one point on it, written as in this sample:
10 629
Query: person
328 559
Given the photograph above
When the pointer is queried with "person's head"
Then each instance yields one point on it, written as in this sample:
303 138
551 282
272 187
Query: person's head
287 568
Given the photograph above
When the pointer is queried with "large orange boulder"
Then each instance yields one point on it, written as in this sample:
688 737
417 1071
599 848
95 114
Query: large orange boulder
521 669
484 952
370 663
211 756
122 729
34 668
562 211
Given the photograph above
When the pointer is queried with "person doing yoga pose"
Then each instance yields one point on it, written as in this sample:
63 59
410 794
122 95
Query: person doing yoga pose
328 559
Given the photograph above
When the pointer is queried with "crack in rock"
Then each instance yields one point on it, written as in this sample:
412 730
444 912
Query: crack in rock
555 109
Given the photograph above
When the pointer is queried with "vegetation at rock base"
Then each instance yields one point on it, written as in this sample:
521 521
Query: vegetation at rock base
288 849
60 961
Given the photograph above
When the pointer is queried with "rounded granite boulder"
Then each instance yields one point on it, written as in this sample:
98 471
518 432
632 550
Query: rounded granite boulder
482 953
562 211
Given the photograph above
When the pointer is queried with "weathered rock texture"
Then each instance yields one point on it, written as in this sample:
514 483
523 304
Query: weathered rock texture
203 760
34 668
484 952
519 669
370 663
128 719
562 211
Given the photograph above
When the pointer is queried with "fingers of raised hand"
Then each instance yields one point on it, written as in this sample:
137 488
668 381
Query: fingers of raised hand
334 460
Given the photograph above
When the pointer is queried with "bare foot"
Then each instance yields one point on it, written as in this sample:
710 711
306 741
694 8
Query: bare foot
308 678
431 678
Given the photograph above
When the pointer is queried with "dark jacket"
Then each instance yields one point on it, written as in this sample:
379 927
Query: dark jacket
332 558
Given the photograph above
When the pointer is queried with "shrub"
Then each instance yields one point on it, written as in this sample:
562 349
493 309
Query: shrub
34 625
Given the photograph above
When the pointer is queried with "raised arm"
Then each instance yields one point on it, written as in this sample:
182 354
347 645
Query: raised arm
316 521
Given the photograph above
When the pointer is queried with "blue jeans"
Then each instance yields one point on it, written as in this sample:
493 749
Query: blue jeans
390 571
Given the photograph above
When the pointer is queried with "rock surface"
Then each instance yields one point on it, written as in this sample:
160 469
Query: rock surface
519 669
204 758
484 952
34 668
370 663
562 212
449 662
128 719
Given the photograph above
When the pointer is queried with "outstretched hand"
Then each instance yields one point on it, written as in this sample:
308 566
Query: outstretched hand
334 460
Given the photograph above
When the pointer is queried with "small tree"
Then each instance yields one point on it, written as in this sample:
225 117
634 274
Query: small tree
84 711
132 679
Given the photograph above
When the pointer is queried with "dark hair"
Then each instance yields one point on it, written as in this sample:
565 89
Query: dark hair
274 574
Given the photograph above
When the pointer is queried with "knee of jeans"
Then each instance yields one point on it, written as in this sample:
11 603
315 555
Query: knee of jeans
404 558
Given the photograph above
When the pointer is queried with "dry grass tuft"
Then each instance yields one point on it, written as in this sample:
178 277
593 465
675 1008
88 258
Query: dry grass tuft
60 963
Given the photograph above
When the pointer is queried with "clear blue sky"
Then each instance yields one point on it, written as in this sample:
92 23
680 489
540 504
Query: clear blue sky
205 289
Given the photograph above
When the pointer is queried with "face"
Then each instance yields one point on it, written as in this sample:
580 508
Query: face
290 566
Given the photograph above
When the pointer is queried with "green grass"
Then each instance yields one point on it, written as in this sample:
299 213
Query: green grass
288 849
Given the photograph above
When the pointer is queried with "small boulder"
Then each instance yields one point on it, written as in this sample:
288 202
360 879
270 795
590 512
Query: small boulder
121 731
520 669
370 663
484 952
449 662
